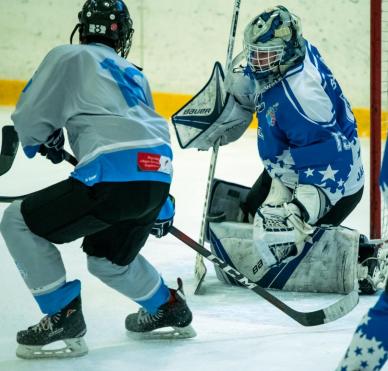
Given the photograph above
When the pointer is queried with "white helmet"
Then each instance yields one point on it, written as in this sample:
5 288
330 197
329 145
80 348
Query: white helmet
273 42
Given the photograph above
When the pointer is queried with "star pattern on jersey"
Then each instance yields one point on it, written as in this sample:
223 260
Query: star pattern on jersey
328 174
365 352
283 167
309 172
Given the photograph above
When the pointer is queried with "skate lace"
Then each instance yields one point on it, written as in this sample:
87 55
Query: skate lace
145 317
46 323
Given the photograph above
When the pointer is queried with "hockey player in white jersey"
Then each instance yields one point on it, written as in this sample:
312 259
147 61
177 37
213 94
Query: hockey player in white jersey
313 173
116 196
368 349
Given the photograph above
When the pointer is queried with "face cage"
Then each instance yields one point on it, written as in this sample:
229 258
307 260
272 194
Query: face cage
126 44
264 58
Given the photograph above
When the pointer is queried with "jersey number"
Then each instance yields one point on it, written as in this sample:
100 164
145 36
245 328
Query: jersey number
131 90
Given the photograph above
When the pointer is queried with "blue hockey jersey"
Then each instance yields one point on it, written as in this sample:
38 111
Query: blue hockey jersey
307 133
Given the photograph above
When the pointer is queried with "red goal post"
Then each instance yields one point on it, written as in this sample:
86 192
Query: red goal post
378 111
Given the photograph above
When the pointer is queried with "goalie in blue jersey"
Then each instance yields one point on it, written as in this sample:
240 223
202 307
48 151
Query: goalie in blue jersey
313 174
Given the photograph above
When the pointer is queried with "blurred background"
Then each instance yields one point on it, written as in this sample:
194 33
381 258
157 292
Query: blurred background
178 41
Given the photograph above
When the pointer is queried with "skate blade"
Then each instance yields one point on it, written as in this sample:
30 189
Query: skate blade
74 348
175 333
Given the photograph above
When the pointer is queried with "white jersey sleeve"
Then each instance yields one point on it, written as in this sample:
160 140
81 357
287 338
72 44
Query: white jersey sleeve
38 113
105 104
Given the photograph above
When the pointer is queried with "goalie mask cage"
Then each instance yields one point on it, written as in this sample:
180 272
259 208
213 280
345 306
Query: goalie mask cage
378 112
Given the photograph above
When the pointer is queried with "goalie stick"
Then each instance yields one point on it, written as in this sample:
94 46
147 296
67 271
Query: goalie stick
315 318
200 267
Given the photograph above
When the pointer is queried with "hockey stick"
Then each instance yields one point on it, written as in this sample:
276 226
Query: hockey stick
9 147
200 267
318 317
8 199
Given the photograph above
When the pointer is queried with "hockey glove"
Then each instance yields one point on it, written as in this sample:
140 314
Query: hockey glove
52 149
165 218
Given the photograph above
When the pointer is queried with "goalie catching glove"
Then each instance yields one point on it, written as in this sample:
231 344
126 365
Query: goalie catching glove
165 218
283 222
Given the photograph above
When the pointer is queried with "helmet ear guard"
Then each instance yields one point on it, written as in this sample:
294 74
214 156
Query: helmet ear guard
106 21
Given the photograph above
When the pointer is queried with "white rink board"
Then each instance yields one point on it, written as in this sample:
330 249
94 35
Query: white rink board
178 41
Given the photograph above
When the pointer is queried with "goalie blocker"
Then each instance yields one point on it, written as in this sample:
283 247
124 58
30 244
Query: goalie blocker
327 259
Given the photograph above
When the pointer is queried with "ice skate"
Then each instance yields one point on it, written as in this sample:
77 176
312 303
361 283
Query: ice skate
373 266
174 314
67 326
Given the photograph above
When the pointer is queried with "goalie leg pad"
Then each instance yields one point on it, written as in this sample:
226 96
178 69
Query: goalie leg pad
327 262
232 242
330 265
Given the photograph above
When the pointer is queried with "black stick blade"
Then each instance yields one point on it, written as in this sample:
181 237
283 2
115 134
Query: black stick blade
9 147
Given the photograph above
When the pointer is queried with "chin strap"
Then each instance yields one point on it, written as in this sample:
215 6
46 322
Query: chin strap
77 26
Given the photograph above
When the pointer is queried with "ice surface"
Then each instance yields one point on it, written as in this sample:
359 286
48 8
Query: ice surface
237 330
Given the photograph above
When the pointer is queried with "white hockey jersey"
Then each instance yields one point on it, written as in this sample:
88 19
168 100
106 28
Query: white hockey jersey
105 104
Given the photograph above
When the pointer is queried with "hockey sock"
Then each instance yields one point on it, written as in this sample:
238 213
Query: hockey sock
54 301
156 298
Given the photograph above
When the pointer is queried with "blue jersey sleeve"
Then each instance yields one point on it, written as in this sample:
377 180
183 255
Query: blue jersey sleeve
308 133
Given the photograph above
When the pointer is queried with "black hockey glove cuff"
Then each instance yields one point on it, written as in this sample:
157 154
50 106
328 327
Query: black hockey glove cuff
165 218
53 148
